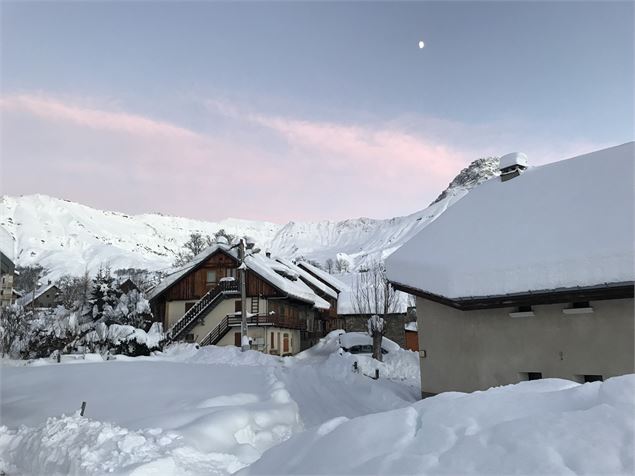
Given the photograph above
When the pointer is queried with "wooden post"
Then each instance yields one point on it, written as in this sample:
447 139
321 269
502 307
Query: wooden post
81 412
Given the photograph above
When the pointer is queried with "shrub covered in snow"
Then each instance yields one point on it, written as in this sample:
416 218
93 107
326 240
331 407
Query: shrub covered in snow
100 318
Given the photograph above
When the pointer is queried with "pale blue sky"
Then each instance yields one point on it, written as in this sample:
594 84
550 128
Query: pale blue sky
302 94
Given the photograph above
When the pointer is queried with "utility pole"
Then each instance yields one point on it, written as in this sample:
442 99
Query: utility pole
244 339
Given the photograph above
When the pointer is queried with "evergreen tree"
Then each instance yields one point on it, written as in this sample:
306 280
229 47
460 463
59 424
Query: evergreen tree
104 297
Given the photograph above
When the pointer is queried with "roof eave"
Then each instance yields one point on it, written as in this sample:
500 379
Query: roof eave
623 290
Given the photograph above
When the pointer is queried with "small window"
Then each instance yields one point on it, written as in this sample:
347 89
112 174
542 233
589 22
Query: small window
189 338
531 375
238 305
230 273
580 305
525 309
211 277
592 378
273 343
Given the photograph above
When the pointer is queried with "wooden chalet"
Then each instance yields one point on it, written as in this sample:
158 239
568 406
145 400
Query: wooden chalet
201 303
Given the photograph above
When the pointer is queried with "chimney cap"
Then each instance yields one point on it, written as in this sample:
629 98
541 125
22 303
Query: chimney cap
513 159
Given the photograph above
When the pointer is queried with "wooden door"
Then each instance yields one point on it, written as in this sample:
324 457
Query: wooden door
412 340
237 339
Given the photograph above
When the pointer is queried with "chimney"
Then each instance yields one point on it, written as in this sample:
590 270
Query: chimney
512 165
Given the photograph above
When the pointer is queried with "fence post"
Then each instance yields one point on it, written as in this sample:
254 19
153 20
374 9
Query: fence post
81 412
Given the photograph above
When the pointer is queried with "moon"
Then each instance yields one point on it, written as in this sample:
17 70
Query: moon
421 44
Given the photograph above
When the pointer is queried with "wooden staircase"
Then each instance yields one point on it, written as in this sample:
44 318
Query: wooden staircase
201 308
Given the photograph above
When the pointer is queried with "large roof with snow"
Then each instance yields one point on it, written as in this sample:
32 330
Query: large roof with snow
563 225
276 273
324 276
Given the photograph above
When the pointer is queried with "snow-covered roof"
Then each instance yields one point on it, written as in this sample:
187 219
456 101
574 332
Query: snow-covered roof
302 273
328 278
346 299
29 296
267 268
515 158
562 225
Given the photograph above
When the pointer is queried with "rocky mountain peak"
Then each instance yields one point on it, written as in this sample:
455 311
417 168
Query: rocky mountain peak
477 172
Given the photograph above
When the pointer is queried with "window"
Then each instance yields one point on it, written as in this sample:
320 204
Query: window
522 311
273 343
592 378
579 307
238 305
230 273
211 277
189 338
531 375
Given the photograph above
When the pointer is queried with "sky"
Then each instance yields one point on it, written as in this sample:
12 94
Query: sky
300 111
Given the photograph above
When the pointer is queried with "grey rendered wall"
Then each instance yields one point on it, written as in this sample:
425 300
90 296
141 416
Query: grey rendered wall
475 350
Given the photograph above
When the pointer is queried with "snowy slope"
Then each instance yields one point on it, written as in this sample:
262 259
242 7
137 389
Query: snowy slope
67 237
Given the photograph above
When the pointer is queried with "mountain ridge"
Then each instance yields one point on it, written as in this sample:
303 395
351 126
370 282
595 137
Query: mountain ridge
69 238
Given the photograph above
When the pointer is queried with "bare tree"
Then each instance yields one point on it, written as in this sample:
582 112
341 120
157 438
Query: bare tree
329 265
374 295
195 244
342 265
221 236
198 243
27 277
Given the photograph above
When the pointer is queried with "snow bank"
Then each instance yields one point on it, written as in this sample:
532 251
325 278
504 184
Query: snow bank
539 427
203 419
216 410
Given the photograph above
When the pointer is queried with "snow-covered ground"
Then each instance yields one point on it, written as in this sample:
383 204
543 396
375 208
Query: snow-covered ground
218 411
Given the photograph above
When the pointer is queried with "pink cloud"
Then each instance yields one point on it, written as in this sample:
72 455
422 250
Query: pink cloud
267 167
54 109
389 151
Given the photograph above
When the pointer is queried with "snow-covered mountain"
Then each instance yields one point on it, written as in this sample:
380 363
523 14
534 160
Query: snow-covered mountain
68 237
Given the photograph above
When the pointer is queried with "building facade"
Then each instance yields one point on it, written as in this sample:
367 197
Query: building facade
202 303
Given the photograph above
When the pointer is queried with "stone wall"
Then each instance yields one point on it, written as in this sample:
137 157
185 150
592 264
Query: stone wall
394 326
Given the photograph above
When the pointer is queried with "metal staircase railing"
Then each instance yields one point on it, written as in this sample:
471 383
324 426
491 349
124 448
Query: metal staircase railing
234 320
217 333
202 307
